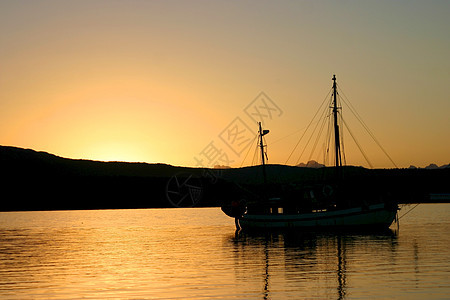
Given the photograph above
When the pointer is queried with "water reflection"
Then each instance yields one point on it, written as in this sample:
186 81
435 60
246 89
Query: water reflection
341 268
312 262
193 254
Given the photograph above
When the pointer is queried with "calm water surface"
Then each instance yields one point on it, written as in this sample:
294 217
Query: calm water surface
194 253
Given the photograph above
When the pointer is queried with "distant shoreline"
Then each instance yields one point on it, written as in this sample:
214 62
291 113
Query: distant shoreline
37 181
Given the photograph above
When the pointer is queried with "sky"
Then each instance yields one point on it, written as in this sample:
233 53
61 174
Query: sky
185 82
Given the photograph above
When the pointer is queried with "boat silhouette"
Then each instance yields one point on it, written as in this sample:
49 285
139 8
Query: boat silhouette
334 205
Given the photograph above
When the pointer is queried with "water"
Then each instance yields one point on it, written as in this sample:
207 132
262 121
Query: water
194 253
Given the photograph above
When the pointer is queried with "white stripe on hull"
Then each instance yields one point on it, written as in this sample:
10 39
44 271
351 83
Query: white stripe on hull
375 215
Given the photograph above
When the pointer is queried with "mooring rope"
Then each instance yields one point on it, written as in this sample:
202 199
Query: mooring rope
408 211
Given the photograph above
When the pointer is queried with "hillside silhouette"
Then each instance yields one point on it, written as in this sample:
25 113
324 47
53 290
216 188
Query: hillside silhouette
41 181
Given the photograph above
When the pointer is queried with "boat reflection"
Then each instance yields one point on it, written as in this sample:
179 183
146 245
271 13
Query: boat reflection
307 262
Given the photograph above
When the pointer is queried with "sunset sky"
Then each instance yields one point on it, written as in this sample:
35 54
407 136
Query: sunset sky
178 82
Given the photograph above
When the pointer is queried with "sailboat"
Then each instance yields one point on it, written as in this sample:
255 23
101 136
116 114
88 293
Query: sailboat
333 211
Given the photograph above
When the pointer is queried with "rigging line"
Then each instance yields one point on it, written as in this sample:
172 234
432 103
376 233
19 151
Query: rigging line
267 149
323 150
358 117
307 127
330 132
250 147
257 153
329 137
312 134
341 121
318 138
286 136
328 141
408 211
359 146
254 156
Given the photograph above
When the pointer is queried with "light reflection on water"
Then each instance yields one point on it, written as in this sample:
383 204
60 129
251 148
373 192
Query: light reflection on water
195 253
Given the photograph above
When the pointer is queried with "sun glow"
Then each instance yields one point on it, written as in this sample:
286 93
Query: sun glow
117 151
157 82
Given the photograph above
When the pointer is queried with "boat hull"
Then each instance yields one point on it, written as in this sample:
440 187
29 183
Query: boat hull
374 216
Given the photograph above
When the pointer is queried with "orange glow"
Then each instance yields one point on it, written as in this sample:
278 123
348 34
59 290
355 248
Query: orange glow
157 83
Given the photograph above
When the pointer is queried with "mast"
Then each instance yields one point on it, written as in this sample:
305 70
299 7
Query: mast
337 142
263 154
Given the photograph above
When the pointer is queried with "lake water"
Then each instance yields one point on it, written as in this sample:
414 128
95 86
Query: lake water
195 254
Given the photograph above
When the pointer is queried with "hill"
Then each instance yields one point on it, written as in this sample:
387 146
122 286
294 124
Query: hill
41 181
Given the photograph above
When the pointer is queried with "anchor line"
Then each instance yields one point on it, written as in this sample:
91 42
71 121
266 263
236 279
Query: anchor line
408 211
